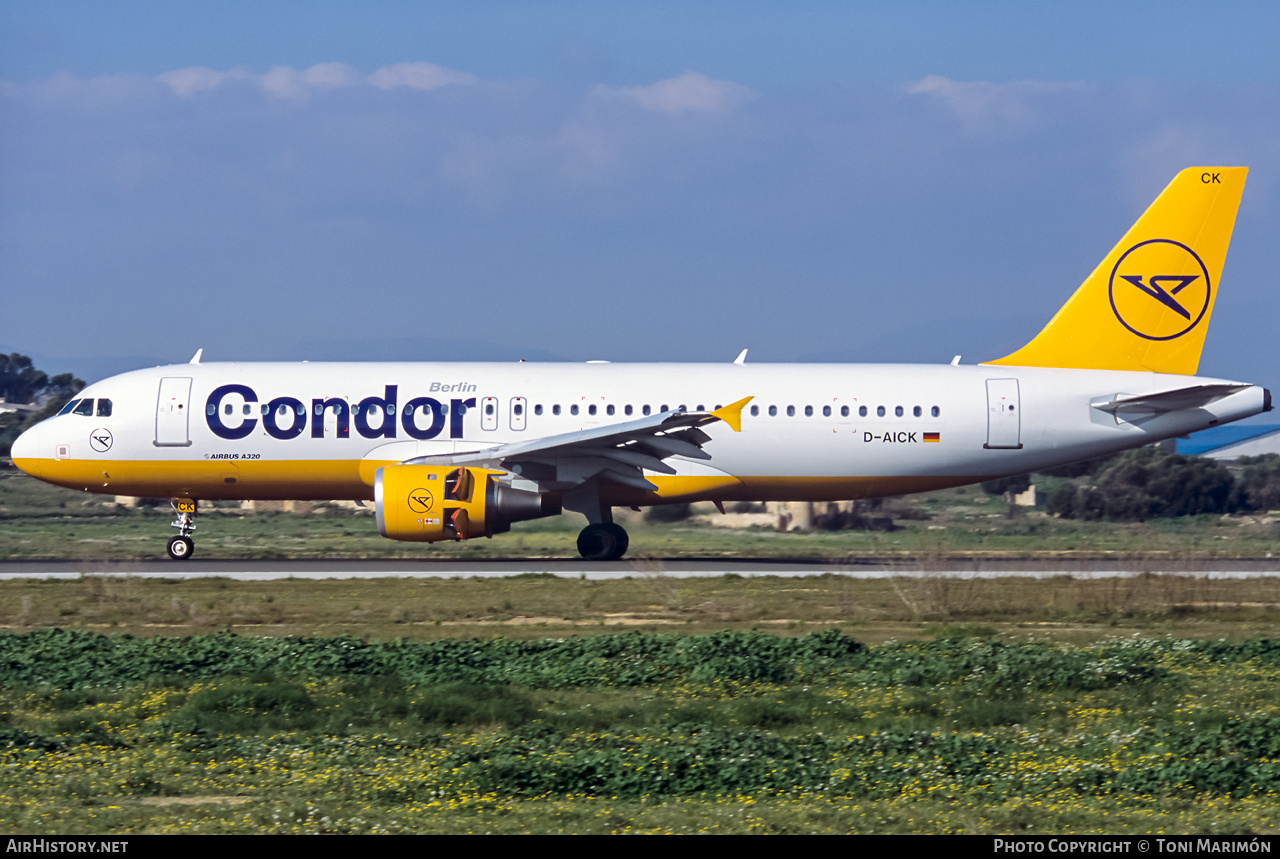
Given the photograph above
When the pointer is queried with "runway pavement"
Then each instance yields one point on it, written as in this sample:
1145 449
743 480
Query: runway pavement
260 570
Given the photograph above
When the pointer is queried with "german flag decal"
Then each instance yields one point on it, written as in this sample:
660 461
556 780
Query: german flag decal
933 436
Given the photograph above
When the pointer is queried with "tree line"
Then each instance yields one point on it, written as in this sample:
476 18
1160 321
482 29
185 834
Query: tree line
1151 483
21 382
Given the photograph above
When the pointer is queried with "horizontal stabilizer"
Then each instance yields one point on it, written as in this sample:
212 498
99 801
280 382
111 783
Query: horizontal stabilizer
1170 401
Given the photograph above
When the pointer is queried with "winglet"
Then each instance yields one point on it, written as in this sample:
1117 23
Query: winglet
741 359
195 359
732 413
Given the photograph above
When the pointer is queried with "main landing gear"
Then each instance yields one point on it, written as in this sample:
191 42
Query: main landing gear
181 546
603 541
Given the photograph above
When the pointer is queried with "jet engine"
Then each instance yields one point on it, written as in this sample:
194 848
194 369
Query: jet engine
429 503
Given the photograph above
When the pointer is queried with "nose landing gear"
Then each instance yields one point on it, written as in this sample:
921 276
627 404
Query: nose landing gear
181 547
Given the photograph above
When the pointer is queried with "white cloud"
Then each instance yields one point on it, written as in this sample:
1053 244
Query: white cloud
331 75
288 82
421 76
983 103
284 82
187 82
689 92
101 90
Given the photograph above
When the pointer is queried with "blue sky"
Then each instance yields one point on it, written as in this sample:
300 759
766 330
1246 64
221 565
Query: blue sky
626 181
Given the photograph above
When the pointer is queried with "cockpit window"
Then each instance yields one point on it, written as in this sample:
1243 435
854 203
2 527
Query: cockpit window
104 407
66 410
85 407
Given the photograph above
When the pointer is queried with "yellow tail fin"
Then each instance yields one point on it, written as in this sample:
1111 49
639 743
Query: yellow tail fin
1147 304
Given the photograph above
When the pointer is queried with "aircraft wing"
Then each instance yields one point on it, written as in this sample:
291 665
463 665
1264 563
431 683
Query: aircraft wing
616 452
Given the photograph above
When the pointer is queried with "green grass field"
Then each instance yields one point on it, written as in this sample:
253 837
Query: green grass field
732 733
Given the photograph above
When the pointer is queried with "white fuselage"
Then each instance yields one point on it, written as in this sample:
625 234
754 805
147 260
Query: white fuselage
200 431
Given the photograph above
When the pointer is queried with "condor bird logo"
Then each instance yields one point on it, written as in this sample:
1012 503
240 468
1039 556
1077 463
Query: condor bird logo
1160 289
420 501
100 440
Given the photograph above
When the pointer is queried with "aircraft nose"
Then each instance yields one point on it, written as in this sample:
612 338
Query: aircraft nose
26 449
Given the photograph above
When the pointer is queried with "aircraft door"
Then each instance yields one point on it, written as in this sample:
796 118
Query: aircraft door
1004 415
172 411
518 407
489 413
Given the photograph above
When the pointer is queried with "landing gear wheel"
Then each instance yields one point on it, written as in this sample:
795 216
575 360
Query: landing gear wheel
623 542
180 548
603 541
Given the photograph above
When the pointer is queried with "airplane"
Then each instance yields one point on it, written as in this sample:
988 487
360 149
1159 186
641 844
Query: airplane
458 451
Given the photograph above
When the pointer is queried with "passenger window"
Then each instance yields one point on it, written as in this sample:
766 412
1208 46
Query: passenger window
68 407
897 411
85 408
773 411
917 411
608 410
627 411
844 411
537 410
488 408
573 410
862 411
808 411
826 411
935 411
646 409
755 411
104 408
791 411
879 411
555 410
591 410
664 408
701 408
518 409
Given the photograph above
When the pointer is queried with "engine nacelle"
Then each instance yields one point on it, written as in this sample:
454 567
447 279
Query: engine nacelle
429 503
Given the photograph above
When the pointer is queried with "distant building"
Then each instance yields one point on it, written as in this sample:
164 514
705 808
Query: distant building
1232 442
7 407
1031 497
